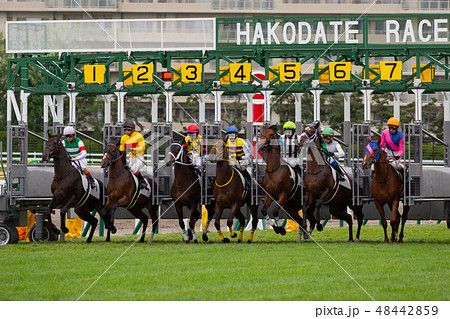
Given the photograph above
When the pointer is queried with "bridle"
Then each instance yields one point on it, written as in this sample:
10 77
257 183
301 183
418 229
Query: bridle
268 144
114 157
178 159
369 149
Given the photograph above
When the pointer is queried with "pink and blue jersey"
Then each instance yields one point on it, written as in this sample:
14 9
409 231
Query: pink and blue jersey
394 142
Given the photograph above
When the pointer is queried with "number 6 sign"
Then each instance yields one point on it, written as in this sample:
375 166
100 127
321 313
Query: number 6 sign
340 71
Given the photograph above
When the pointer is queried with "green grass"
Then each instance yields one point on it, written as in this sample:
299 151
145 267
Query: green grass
272 268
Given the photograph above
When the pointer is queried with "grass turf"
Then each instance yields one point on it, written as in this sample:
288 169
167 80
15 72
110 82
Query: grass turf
272 268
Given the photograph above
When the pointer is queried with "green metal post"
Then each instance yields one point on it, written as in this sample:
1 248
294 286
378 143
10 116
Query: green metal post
418 222
237 226
136 229
284 223
101 228
341 223
438 222
365 222
324 222
264 224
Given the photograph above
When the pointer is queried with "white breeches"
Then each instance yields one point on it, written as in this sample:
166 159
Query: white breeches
136 163
82 163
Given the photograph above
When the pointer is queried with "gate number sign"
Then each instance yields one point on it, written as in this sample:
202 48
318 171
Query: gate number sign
94 73
340 71
240 72
142 73
391 70
191 72
290 71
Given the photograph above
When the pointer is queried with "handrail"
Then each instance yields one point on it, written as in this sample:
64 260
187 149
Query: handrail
1 158
38 136
90 138
375 132
434 137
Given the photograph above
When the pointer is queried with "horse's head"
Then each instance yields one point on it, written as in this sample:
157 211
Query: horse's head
53 147
218 151
372 153
110 154
175 154
310 134
269 137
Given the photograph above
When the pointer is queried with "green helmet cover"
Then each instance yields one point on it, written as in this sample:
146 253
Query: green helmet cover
289 126
328 131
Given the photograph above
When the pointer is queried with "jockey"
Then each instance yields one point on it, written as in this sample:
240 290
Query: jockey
135 144
289 146
394 143
334 151
77 151
193 142
238 150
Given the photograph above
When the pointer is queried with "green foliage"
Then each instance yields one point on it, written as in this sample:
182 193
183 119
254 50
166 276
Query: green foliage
234 114
272 268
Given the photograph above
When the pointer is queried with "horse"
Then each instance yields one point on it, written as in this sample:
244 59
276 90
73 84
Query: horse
185 190
387 188
278 184
67 189
230 193
121 189
321 189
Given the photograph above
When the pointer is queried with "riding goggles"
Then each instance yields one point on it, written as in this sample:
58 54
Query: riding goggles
70 135
193 136
288 132
232 135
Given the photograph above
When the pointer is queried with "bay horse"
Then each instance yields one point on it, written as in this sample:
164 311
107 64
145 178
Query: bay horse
278 184
67 189
387 188
185 190
121 189
229 192
321 189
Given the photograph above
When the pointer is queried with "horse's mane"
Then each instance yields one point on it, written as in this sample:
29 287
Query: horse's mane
273 127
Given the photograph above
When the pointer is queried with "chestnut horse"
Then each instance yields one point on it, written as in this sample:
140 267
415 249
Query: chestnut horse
67 188
279 186
121 189
230 193
185 189
321 187
387 188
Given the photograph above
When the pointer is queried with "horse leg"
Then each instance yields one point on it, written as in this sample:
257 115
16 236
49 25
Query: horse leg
72 201
179 209
280 205
205 230
383 220
234 211
84 214
51 206
219 211
241 219
357 210
404 218
254 212
152 209
267 201
195 215
395 220
348 219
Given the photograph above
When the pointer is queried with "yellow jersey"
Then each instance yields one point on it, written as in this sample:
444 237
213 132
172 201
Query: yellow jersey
235 148
135 142
193 146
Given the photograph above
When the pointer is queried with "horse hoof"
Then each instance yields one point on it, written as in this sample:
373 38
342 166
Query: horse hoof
89 240
319 227
113 229
186 241
65 230
205 237
357 240
239 241
190 234
276 229
282 231
225 240
196 241
249 241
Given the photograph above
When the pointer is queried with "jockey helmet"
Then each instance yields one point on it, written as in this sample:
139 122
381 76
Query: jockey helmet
289 126
393 121
69 130
129 123
193 129
328 131
232 129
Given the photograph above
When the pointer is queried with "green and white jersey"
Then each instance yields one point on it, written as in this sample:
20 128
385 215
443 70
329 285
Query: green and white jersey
75 148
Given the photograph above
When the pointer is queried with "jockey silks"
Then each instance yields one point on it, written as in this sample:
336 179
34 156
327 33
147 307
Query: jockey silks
394 142
135 142
193 145
289 146
75 148
237 148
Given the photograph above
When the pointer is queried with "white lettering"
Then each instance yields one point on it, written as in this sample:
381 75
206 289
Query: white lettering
300 32
437 29
421 24
240 33
392 27
348 31
258 35
271 33
320 33
409 32
335 25
285 33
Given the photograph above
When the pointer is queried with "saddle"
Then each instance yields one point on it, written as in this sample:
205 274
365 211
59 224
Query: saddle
245 180
138 191
296 178
88 191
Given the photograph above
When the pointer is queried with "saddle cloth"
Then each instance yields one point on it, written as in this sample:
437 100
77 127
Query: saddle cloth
345 183
88 191
144 192
245 183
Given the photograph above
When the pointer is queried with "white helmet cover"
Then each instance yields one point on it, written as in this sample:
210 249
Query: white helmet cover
69 130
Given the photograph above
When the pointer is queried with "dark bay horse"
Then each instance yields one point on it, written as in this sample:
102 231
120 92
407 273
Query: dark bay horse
230 193
185 189
279 185
320 185
67 188
387 188
121 189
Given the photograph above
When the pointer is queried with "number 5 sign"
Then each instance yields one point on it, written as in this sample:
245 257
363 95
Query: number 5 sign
290 71
340 71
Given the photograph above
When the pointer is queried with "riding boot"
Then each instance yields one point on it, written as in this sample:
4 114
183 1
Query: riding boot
142 183
340 173
91 181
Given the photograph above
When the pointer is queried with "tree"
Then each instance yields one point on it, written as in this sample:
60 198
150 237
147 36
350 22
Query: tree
233 113
284 106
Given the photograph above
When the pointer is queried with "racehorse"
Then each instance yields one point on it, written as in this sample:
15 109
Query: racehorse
321 189
229 192
121 189
387 188
185 189
279 185
67 189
